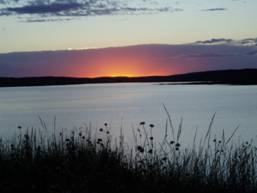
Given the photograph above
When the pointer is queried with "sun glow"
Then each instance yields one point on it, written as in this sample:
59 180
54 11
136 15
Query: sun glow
120 63
123 75
128 69
119 66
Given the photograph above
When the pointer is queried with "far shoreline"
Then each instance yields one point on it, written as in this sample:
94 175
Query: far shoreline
223 77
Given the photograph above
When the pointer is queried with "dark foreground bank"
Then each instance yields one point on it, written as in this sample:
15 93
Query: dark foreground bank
233 77
34 162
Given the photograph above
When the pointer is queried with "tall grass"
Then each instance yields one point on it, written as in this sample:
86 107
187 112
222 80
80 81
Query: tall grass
84 162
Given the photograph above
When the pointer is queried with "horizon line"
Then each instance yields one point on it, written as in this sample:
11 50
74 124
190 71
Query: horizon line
129 77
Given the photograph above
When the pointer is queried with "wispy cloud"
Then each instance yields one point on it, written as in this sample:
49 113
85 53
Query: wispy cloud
215 41
216 9
249 42
75 8
44 8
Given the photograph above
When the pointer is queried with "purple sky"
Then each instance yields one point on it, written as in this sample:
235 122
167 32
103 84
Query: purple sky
139 60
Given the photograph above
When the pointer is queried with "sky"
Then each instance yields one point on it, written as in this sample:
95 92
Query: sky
31 29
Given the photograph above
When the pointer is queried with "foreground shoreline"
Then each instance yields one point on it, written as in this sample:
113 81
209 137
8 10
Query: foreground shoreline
82 162
229 77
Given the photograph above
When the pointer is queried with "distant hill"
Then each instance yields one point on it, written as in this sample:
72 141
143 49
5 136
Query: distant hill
236 77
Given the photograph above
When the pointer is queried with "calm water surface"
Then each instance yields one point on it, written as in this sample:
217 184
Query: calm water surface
125 105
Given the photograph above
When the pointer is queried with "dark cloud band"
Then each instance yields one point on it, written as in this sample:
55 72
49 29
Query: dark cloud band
44 9
74 8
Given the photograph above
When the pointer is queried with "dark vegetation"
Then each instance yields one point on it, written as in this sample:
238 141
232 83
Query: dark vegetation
82 162
237 77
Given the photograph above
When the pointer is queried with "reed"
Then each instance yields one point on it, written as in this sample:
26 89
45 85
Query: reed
85 161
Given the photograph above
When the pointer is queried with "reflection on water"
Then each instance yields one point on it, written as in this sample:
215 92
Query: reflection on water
128 104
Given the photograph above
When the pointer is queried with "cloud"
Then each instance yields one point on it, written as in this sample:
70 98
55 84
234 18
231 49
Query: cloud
76 8
44 8
215 41
249 42
216 9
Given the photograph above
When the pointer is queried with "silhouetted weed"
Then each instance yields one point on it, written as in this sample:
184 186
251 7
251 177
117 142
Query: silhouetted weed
80 163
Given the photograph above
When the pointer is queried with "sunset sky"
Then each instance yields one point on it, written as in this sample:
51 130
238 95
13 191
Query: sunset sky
51 37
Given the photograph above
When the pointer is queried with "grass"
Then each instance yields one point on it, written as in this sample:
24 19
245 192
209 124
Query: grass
82 162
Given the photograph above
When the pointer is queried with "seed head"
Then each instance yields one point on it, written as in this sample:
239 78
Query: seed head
151 125
177 145
150 151
142 123
140 149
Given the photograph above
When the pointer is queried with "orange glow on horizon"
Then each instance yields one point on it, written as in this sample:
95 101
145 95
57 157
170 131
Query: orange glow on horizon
117 68
121 66
123 75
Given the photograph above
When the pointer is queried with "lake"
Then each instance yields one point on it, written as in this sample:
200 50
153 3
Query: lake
126 105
